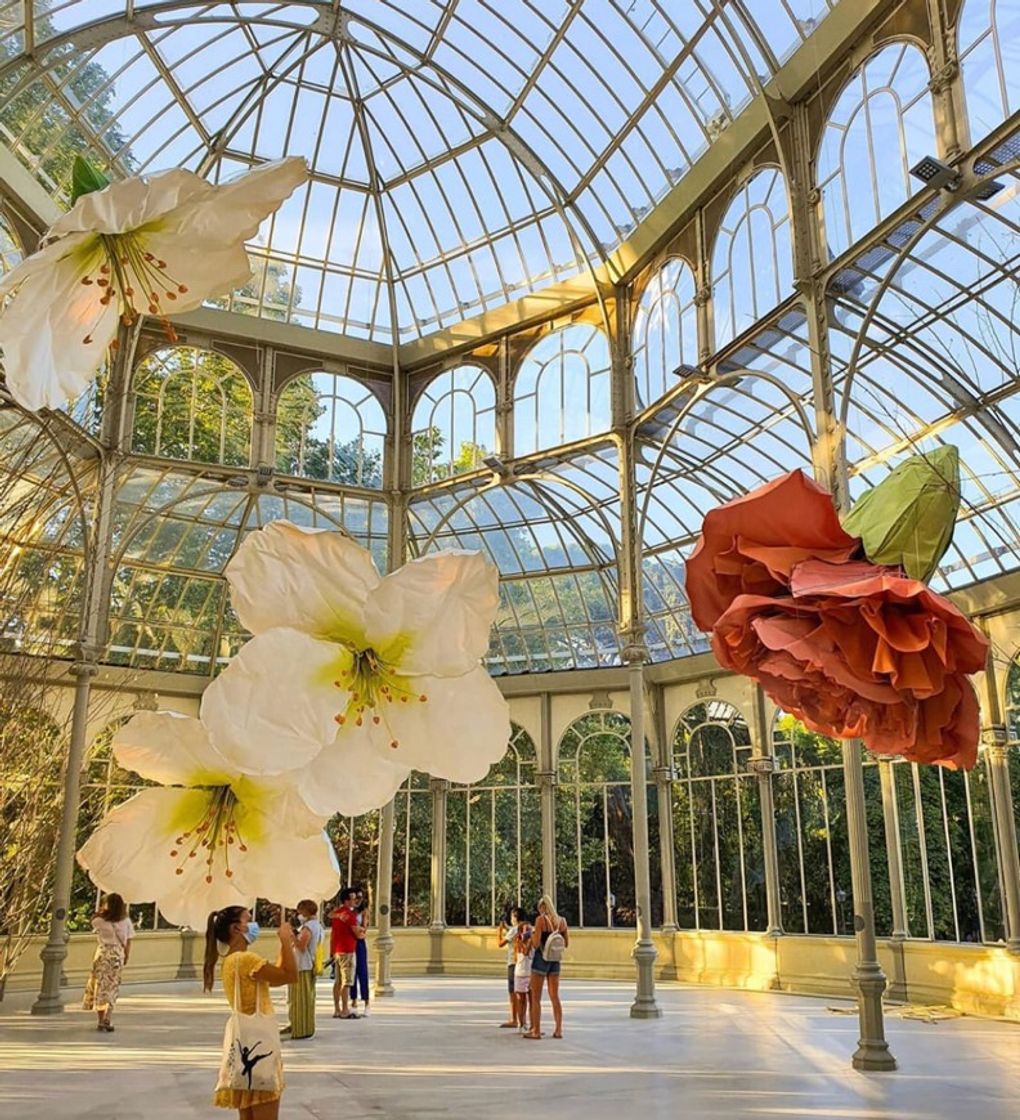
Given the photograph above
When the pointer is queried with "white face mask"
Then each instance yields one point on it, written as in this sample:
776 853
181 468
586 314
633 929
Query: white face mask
251 932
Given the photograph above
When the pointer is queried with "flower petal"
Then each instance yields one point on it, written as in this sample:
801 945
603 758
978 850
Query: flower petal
458 732
316 581
285 868
43 328
130 853
433 615
352 776
172 749
131 203
272 709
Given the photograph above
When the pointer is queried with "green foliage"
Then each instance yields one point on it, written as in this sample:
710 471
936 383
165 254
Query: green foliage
85 179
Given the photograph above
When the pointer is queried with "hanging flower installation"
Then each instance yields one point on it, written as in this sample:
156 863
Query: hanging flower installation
154 246
207 836
853 648
386 669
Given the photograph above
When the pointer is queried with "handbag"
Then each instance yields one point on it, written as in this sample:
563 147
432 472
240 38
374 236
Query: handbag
555 946
251 1049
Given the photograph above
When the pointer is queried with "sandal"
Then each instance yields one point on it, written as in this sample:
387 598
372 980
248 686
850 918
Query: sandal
511 1025
529 1035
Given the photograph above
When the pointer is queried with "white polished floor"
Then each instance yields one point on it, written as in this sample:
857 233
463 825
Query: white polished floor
436 1050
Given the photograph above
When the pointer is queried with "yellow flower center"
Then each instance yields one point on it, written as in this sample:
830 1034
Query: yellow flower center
216 832
372 684
126 263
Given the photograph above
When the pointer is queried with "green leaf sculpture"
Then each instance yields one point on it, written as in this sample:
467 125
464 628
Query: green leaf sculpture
85 179
908 519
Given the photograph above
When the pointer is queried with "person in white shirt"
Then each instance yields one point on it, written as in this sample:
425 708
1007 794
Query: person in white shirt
114 932
301 995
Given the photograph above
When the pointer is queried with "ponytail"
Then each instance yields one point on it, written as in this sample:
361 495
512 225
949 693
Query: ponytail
217 931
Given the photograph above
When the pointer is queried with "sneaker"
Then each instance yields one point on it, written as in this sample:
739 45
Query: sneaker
364 1012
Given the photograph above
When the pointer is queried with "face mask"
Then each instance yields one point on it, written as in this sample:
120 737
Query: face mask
251 932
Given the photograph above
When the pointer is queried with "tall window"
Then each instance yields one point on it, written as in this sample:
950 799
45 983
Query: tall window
752 265
454 424
192 404
10 246
816 895
594 838
330 427
494 839
720 868
562 389
412 851
989 31
880 127
665 330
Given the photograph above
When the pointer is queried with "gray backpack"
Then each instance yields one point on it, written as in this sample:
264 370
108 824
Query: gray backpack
555 945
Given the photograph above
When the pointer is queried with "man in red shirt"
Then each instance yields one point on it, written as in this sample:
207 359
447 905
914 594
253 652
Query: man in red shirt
345 933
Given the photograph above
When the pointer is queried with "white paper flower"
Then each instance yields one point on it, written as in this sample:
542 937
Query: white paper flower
208 836
387 670
144 246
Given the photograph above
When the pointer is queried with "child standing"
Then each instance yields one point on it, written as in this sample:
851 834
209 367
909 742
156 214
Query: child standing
523 954
507 936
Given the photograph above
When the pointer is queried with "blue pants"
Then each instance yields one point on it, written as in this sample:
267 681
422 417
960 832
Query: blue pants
360 972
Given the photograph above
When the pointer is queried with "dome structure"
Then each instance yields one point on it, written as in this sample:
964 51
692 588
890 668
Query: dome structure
565 277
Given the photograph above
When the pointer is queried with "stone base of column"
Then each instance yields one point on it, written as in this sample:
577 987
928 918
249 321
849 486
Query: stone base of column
670 928
644 1005
186 966
435 965
383 986
896 990
48 1002
872 1051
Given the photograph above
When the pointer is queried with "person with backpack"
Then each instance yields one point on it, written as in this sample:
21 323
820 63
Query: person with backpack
549 939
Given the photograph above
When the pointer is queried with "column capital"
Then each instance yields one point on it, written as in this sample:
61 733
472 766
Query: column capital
763 765
995 738
547 779
664 774
439 785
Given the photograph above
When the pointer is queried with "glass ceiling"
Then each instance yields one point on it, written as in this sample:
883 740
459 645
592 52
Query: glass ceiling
464 152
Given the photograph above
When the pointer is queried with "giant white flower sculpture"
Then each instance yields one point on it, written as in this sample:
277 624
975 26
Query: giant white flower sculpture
207 836
386 669
144 246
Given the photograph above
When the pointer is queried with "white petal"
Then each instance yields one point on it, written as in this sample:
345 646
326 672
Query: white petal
172 749
233 211
273 708
434 614
278 799
130 853
351 776
316 581
459 732
132 202
44 325
202 269
285 868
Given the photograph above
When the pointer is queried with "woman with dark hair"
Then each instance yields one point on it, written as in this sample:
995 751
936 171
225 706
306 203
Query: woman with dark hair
227 936
114 931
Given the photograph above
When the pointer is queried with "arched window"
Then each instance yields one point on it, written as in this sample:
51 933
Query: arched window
330 427
192 404
720 868
494 839
562 389
879 128
989 31
412 851
454 424
11 252
752 265
594 837
665 330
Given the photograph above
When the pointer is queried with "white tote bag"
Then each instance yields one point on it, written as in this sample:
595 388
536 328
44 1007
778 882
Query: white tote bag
251 1049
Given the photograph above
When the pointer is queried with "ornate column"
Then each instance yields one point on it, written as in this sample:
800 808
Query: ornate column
947 95
54 952
663 775
763 765
437 886
384 903
547 795
891 817
995 739
644 1005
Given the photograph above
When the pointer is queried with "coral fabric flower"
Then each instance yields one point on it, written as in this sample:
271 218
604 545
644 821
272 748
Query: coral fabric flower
207 836
858 650
385 670
144 246
751 545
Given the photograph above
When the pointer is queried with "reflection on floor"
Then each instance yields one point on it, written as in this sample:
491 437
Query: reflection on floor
437 1050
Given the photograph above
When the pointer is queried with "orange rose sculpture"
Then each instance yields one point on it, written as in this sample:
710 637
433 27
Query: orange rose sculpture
851 648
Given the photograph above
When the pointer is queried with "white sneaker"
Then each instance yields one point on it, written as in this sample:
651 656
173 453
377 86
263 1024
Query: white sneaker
364 1012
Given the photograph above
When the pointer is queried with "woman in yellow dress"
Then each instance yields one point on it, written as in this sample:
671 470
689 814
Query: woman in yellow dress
226 935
